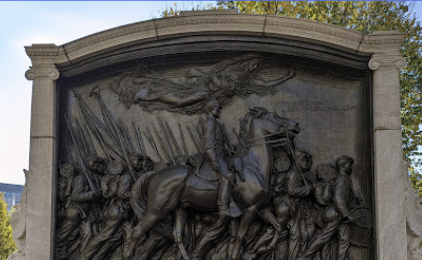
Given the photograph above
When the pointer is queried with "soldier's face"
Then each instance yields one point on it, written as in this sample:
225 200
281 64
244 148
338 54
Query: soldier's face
147 165
97 166
216 111
347 168
137 165
305 162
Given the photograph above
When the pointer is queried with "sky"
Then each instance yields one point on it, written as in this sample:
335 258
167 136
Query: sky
26 23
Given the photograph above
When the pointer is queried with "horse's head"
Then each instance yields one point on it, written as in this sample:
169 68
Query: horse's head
273 125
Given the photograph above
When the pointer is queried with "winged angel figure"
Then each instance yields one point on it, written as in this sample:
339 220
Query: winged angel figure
231 77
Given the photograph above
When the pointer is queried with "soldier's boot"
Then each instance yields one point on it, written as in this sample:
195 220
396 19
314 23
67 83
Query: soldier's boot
224 198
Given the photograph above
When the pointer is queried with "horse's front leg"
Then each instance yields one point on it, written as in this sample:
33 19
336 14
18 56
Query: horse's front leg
179 224
245 221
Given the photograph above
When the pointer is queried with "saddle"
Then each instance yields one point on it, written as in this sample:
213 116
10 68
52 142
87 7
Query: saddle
204 177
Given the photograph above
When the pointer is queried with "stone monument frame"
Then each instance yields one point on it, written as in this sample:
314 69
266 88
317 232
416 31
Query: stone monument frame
85 55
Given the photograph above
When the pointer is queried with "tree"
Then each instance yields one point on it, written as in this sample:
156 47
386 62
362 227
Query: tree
7 245
365 17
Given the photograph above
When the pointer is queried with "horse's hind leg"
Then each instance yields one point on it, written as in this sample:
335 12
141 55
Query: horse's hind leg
245 221
179 224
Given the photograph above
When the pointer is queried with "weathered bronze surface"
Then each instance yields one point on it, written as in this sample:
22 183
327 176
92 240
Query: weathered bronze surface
227 156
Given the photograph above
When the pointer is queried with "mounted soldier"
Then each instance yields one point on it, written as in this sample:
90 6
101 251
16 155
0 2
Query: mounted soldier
213 142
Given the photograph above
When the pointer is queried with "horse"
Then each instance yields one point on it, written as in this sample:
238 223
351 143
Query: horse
168 189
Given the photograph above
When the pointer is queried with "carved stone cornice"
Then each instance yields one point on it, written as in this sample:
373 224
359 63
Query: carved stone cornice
216 22
33 73
382 42
385 60
45 56
210 23
221 43
41 52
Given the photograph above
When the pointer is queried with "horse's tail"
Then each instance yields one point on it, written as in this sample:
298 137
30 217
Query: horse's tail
139 191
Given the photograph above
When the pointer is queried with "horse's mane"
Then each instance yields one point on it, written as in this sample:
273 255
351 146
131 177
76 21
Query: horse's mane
245 123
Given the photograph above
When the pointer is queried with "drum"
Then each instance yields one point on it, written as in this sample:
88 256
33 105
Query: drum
361 228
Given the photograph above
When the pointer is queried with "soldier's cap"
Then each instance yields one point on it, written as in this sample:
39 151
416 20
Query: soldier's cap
90 157
66 170
114 167
299 152
326 172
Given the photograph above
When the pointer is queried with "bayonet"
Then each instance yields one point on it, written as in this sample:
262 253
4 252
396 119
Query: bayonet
162 145
82 137
151 141
100 139
139 140
192 136
198 132
173 138
185 149
90 144
81 162
167 141
125 155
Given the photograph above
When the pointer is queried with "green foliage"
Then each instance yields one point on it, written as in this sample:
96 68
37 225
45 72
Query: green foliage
7 245
366 17
416 181
175 10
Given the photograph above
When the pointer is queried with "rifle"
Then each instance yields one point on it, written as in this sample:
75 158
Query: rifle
185 149
90 144
139 140
166 140
83 166
173 138
192 136
162 145
151 141
126 156
100 139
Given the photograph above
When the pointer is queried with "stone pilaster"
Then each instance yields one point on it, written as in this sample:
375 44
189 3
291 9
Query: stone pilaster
390 219
40 212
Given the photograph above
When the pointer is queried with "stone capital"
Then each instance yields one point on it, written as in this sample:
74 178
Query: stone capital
387 60
52 73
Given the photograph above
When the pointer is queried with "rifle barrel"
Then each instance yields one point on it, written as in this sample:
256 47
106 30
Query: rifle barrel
151 141
83 166
192 136
162 145
173 138
185 149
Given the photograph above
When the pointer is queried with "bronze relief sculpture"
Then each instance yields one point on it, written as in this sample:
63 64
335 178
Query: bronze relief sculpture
232 77
138 191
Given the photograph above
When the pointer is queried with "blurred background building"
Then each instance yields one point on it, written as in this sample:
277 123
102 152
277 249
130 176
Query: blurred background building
12 194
